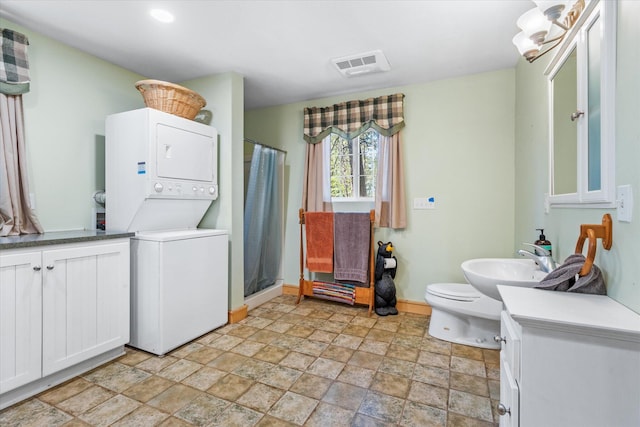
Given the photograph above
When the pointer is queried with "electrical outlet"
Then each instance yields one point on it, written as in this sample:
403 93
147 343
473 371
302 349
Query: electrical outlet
625 203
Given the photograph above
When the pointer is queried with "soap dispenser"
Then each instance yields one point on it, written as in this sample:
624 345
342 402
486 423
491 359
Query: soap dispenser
542 242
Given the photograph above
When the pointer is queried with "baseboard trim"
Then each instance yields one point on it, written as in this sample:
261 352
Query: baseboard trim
405 306
289 289
413 307
238 314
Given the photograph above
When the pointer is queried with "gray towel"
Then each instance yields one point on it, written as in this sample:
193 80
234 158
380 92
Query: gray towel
351 246
563 278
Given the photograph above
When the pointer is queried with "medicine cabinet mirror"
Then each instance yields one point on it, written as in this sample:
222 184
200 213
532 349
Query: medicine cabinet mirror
581 111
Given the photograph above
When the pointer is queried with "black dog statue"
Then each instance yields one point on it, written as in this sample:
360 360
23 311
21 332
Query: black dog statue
385 295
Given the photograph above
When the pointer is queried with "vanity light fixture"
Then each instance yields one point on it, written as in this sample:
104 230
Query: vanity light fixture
545 26
162 15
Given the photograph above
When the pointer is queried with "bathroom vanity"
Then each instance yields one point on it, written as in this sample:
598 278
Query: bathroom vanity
64 307
568 360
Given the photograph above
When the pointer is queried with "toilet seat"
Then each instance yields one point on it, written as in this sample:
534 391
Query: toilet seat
454 291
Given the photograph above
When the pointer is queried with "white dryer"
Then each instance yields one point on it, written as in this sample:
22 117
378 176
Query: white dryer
161 177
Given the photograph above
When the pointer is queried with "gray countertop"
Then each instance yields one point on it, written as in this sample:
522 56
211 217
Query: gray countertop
59 237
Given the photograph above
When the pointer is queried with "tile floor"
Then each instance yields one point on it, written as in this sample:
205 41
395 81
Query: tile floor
315 364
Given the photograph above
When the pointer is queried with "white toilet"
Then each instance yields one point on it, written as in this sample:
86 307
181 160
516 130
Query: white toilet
462 315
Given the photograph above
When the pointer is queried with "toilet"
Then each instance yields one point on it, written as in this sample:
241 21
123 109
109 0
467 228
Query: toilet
462 315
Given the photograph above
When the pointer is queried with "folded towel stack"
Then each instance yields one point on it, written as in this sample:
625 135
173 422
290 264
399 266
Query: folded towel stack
340 292
564 278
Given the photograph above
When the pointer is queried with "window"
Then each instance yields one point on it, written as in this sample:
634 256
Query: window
353 166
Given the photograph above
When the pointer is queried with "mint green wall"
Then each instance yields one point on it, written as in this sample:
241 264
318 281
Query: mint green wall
458 147
225 99
620 265
71 94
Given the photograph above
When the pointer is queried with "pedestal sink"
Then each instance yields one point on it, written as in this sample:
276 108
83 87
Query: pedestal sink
485 274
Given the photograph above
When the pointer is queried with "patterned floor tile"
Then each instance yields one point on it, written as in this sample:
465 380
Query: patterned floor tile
327 415
294 408
470 405
33 413
318 363
110 411
381 406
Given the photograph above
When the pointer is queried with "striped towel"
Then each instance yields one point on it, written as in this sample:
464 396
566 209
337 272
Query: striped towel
340 292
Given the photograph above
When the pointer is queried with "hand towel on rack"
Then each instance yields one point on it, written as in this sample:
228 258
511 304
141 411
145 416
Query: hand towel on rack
319 237
563 278
351 253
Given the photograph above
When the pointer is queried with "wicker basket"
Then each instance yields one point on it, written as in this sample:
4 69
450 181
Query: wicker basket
171 98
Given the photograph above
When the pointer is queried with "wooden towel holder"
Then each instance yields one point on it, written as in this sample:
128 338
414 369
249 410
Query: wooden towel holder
593 232
362 295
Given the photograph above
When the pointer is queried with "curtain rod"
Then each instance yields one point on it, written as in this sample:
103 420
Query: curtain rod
264 145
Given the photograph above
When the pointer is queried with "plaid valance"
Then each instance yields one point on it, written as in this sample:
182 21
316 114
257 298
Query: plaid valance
348 119
14 66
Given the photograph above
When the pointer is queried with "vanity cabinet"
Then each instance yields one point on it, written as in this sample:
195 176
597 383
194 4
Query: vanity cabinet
20 319
60 305
568 360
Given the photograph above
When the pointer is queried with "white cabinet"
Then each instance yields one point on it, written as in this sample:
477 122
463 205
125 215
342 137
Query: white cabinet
582 120
20 319
85 308
61 305
568 360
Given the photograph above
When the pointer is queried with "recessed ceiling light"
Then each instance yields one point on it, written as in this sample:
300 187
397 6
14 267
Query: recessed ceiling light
161 15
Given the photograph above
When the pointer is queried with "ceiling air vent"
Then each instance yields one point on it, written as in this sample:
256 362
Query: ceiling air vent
362 63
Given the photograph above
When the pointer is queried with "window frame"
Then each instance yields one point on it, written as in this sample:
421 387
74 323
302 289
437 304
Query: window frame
355 143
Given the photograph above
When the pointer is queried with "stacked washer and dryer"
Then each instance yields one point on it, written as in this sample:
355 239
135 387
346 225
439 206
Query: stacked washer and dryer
161 177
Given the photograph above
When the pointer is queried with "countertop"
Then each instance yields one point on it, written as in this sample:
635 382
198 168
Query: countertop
590 314
59 237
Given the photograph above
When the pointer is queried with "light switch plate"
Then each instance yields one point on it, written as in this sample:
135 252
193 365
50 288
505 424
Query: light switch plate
625 203
424 203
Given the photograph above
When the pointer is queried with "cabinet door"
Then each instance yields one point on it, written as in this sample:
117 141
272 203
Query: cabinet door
20 319
85 303
509 405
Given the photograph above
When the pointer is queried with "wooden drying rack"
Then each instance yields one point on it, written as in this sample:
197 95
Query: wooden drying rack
593 232
362 295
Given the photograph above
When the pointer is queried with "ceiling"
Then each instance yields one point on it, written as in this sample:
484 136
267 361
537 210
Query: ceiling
283 49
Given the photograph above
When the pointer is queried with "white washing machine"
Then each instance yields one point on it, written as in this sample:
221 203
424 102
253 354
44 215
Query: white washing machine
179 287
161 176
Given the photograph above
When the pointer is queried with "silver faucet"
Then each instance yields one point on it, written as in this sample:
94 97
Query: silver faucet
545 261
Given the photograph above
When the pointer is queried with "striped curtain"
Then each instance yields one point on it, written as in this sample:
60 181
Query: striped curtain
385 114
348 119
16 215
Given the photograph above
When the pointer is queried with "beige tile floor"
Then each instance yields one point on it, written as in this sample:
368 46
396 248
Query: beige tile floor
318 363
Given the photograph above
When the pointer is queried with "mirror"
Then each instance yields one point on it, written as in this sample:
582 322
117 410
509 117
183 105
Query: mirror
581 112
565 130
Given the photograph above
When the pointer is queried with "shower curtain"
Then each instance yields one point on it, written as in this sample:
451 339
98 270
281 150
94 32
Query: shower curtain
262 222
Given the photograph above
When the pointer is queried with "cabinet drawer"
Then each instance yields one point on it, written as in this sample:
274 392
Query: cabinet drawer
510 344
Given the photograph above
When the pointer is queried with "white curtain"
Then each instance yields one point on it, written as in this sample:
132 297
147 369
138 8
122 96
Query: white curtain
316 189
390 201
390 196
16 215
262 221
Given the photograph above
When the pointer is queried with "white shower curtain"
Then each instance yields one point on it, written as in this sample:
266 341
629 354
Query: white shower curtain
262 222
